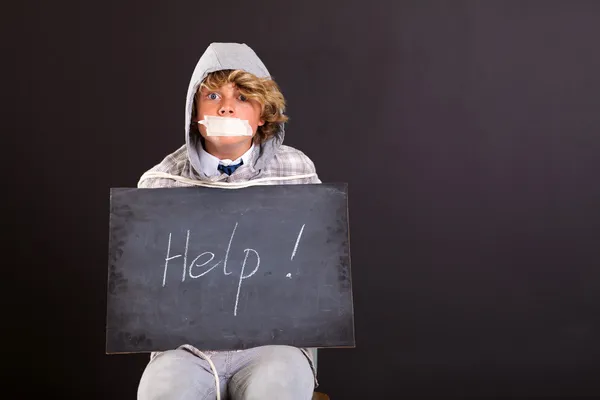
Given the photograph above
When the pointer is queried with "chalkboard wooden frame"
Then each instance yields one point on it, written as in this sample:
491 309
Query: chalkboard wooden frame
228 269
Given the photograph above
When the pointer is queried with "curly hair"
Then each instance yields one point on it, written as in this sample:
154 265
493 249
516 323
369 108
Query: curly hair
264 90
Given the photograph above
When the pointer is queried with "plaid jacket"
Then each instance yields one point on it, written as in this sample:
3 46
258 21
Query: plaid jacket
288 163
286 166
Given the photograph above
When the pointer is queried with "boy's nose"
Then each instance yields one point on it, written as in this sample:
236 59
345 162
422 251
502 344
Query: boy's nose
226 109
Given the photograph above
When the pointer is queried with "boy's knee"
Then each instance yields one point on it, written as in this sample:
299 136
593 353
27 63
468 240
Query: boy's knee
282 372
168 376
286 357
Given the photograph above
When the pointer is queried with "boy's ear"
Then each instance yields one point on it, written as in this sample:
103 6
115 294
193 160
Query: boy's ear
261 121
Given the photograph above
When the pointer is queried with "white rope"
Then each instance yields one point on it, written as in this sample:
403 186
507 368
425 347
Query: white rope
223 185
214 370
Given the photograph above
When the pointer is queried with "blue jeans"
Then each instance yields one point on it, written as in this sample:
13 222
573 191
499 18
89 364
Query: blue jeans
267 372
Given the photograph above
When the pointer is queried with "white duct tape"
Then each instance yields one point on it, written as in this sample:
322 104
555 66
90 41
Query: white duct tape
225 126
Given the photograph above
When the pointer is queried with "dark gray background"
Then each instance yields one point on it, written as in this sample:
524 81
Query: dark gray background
468 134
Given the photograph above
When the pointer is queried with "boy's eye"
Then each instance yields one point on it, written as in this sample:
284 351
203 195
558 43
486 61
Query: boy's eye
243 98
212 96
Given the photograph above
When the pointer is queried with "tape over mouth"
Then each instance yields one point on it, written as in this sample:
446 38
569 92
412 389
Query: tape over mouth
226 126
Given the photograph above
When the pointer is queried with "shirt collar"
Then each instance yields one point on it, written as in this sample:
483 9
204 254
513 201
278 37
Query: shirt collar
210 163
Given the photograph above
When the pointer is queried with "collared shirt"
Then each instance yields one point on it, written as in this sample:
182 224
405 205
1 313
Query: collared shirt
209 163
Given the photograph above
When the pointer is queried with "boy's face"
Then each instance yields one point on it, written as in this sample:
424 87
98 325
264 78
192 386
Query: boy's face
227 101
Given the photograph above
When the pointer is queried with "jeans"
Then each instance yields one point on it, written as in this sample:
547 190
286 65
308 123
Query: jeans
267 372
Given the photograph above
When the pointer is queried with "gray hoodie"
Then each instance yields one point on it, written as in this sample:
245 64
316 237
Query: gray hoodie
270 163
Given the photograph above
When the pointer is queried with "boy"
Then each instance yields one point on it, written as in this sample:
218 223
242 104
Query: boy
234 129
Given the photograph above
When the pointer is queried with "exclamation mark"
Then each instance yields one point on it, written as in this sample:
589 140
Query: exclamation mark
295 248
297 241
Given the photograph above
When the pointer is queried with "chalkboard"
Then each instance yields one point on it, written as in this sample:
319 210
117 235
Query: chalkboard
226 269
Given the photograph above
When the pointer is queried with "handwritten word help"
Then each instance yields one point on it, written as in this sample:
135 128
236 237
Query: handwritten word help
205 258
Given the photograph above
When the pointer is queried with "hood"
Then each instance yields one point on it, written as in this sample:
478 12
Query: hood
219 56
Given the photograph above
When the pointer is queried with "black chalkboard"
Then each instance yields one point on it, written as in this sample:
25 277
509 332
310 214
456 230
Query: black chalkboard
226 269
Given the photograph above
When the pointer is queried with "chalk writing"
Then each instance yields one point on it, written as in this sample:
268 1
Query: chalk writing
168 259
187 242
212 255
297 241
242 276
227 252
194 269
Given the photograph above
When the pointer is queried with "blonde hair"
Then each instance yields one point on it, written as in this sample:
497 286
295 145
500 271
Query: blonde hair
264 90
